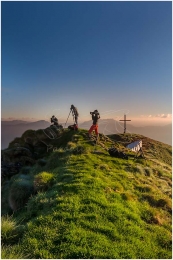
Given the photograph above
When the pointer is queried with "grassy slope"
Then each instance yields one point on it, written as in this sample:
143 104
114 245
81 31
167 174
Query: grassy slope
99 206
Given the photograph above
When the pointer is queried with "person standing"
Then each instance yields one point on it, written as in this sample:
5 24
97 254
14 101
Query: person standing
94 127
54 120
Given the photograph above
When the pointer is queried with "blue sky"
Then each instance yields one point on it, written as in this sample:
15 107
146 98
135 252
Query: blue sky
112 56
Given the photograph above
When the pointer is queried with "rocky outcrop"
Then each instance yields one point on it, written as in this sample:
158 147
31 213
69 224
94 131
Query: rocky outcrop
26 150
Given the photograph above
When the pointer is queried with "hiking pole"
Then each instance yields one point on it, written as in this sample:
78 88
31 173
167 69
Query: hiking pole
67 118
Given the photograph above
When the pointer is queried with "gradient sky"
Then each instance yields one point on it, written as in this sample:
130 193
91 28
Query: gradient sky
112 56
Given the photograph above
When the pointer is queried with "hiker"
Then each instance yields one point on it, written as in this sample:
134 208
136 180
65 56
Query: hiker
75 114
54 120
95 118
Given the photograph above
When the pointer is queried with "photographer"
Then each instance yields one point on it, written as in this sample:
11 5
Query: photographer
75 114
54 120
94 127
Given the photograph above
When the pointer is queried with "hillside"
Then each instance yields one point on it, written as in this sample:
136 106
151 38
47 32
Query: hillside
71 199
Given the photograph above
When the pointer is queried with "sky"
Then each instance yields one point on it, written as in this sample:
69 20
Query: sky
115 57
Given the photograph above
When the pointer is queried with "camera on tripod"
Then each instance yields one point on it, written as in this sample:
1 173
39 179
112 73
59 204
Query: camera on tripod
94 113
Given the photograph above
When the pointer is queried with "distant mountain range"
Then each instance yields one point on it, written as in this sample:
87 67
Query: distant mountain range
14 122
15 128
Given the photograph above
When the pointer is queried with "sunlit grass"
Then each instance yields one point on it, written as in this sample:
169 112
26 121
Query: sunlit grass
96 207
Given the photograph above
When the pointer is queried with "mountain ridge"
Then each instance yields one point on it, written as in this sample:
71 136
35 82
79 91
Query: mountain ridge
161 133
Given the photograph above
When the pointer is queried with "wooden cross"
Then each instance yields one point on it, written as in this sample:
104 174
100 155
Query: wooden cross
124 123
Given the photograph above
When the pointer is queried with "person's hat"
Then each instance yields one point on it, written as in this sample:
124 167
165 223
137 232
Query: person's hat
96 111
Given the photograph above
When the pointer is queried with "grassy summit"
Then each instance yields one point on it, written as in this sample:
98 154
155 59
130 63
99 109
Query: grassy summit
86 204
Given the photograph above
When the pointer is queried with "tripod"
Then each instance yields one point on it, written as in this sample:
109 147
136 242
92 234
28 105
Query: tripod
67 118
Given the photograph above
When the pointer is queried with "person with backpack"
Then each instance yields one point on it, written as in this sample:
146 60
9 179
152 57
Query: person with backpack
75 114
94 127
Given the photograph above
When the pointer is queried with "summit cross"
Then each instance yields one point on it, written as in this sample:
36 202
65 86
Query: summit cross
124 123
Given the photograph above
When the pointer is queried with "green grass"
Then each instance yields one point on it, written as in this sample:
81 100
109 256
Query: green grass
13 252
96 207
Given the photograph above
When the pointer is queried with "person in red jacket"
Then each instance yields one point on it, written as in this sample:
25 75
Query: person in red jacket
94 127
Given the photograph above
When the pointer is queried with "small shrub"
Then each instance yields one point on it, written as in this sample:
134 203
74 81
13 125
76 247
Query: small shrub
13 252
43 181
10 231
20 191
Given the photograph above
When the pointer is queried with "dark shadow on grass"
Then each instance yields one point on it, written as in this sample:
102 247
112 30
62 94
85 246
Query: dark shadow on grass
161 203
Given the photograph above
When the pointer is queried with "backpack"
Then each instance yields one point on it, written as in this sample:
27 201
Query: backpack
115 153
73 127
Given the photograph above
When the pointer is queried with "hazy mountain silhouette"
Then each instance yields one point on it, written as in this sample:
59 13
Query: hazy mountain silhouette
14 122
15 128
